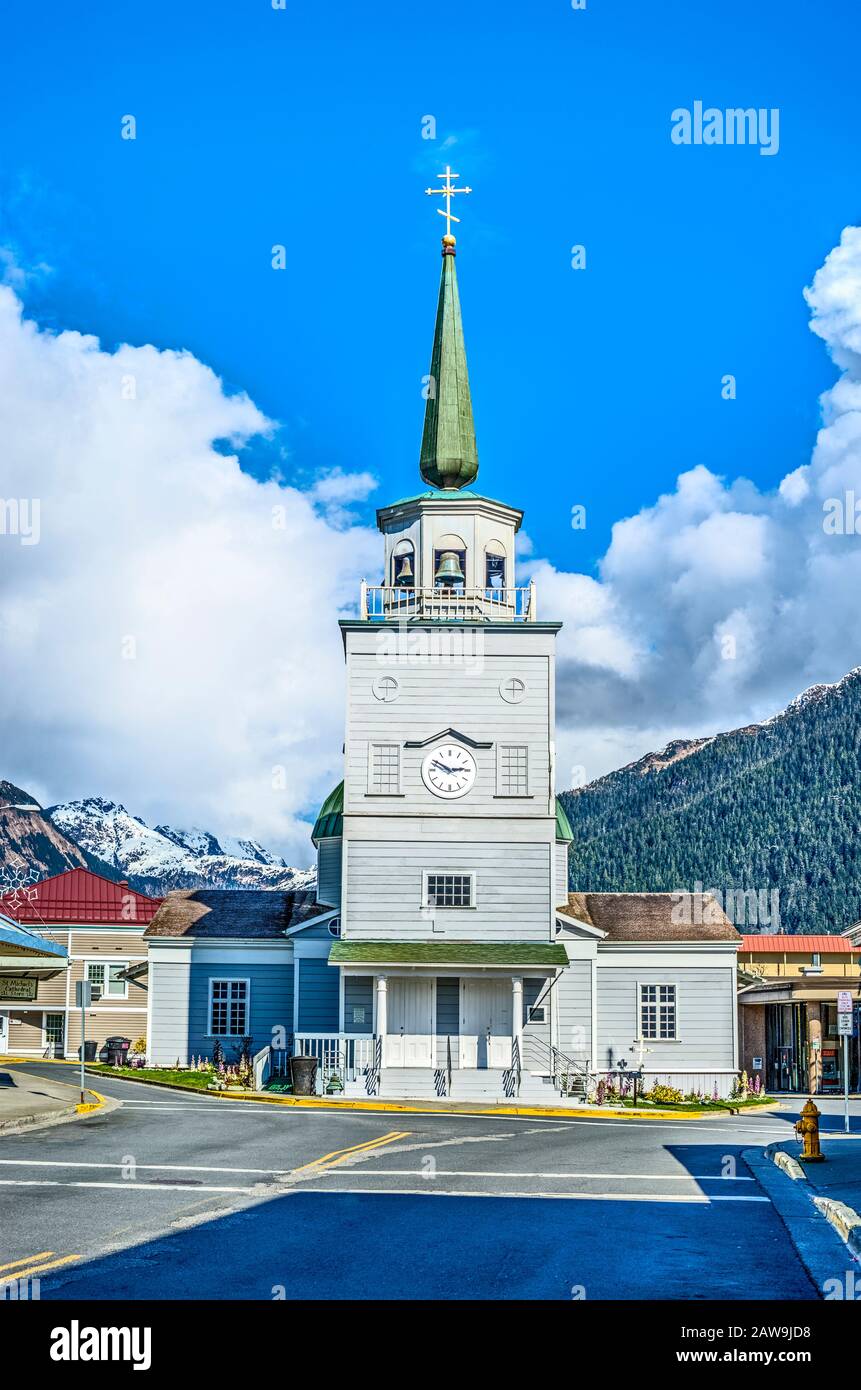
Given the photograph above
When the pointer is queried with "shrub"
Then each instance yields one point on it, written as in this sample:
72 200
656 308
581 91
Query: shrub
740 1087
664 1095
139 1047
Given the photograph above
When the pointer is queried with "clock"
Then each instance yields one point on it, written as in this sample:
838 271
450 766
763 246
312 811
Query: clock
448 771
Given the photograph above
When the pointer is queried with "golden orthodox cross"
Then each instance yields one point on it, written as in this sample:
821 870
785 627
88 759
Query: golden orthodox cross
448 192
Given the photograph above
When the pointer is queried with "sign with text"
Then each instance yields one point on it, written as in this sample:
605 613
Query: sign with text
17 987
844 1001
844 1025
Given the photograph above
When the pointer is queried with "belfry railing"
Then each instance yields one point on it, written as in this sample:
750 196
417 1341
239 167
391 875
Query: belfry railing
393 603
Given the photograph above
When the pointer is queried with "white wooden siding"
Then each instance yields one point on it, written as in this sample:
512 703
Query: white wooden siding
434 696
705 1001
560 886
572 998
169 985
384 890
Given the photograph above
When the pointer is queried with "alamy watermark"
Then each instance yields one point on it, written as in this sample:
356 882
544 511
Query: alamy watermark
736 125
752 907
21 517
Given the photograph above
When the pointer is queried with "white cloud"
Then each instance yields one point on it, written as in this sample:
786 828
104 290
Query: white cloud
155 543
229 588
717 604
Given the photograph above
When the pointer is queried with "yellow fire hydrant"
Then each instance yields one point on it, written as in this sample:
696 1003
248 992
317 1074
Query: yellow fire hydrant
807 1129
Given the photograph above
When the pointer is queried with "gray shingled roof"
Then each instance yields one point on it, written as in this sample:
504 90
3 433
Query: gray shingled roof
255 913
650 916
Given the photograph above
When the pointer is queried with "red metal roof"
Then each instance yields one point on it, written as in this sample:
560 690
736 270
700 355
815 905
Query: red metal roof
80 897
799 945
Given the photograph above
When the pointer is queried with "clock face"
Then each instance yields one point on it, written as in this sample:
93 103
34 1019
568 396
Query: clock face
448 770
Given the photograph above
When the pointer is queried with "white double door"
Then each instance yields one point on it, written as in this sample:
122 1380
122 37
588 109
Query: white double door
485 1023
410 1023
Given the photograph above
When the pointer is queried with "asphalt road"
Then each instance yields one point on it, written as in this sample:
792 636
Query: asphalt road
171 1196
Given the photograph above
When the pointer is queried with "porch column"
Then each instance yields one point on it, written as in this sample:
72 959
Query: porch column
382 1021
517 1013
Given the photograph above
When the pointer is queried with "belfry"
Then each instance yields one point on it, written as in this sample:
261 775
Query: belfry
452 853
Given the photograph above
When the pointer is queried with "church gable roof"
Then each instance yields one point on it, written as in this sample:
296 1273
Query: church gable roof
249 913
651 916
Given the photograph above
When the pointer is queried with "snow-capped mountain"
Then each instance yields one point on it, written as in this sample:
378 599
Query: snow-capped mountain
156 859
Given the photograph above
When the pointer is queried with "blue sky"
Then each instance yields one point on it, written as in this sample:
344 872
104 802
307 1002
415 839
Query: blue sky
714 602
303 127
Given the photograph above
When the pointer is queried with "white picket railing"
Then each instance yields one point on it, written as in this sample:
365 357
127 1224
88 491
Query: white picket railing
386 602
338 1054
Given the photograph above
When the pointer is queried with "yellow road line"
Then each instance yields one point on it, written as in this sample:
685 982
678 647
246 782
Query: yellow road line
27 1259
37 1269
339 1155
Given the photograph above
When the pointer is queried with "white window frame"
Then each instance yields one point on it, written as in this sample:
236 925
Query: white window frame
383 743
56 1013
428 874
658 985
500 789
106 963
229 980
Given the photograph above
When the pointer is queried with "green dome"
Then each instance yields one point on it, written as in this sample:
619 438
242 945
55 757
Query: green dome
563 824
330 821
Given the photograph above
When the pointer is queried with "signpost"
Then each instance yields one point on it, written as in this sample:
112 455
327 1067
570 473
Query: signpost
844 1030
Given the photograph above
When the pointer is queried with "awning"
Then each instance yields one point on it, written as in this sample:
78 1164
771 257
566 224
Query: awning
25 955
798 992
518 955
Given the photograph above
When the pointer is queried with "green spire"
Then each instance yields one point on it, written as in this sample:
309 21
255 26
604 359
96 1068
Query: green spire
449 457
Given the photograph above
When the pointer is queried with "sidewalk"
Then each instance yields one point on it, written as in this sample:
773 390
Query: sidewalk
831 1189
27 1100
840 1176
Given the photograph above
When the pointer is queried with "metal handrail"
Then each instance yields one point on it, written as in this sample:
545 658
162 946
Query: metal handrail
562 1067
391 601
448 1064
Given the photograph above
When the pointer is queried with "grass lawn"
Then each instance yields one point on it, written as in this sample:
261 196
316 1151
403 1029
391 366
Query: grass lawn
195 1080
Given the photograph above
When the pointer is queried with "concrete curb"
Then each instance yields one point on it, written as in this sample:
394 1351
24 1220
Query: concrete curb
25 1122
789 1165
439 1107
844 1219
29 1123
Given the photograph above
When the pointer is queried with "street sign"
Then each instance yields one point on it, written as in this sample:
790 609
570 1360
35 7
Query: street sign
844 1025
83 994
17 987
844 1001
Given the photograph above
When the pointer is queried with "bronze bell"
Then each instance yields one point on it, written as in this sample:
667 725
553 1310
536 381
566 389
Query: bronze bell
449 570
405 570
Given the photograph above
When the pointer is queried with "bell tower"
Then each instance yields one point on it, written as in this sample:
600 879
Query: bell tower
451 863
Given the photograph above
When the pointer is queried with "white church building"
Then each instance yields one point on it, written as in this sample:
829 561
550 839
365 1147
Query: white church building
442 953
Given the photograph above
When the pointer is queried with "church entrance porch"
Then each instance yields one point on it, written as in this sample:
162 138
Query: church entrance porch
409 1040
486 1022
441 1018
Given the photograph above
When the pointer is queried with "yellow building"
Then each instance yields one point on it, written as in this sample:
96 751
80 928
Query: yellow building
787 999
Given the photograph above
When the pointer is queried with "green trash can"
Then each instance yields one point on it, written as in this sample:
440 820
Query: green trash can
303 1074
